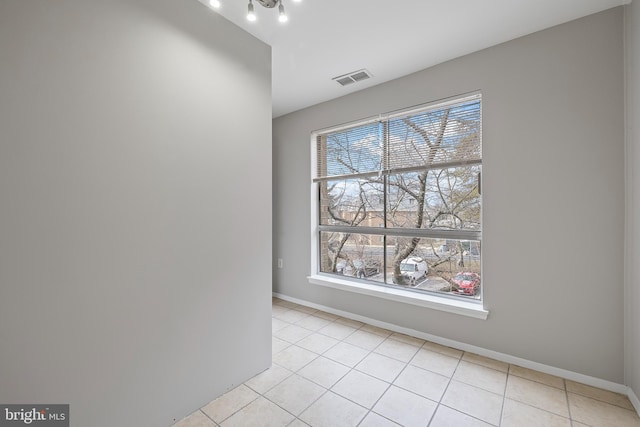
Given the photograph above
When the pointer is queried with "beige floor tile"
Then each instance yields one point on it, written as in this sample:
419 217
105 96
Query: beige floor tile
313 322
229 403
447 417
363 339
197 419
346 354
298 423
291 316
374 420
295 394
375 330
337 330
278 309
485 361
540 377
268 379
471 399
516 414
481 377
397 350
259 413
350 322
277 324
292 333
360 388
325 315
332 410
539 395
381 367
306 309
435 362
405 408
600 394
428 345
474 401
407 339
317 343
596 413
293 357
324 372
420 381
286 304
277 345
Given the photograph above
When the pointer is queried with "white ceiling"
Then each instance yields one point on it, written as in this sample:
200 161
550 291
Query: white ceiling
328 38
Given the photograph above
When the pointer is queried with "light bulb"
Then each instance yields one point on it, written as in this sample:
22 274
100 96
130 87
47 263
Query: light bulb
214 4
282 16
251 15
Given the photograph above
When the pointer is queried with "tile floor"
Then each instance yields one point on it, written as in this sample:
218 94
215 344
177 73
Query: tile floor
329 371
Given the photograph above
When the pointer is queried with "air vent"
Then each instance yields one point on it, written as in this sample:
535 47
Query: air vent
352 77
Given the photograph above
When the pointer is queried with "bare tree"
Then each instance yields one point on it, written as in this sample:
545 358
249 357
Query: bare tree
352 218
430 195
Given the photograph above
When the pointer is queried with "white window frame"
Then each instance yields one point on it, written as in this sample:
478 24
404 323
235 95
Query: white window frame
461 306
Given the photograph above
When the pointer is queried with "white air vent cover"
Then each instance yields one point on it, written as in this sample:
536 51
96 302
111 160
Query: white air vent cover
352 77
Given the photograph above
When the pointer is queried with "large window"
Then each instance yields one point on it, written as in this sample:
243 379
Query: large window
400 200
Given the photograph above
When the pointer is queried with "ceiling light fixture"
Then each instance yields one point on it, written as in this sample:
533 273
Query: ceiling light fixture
282 16
251 13
269 4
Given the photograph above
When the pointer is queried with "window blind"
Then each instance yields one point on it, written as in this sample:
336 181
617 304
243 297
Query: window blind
430 137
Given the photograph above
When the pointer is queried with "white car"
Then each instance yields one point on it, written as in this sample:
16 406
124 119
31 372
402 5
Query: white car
413 269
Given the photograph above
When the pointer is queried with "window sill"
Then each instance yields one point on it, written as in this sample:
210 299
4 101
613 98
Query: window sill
464 308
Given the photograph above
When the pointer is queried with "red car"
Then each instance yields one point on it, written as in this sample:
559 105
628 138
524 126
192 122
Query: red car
468 283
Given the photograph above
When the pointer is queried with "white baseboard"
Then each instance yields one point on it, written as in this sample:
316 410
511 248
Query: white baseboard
634 399
551 370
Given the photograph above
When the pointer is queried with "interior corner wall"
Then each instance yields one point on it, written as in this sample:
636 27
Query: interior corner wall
553 195
632 338
135 227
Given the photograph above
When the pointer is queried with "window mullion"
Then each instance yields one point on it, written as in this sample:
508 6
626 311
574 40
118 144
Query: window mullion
404 232
385 163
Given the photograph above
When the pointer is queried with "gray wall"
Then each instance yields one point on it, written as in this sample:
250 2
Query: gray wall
632 357
135 220
553 123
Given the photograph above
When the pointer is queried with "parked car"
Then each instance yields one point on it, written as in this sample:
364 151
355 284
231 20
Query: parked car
358 267
413 269
366 268
468 283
